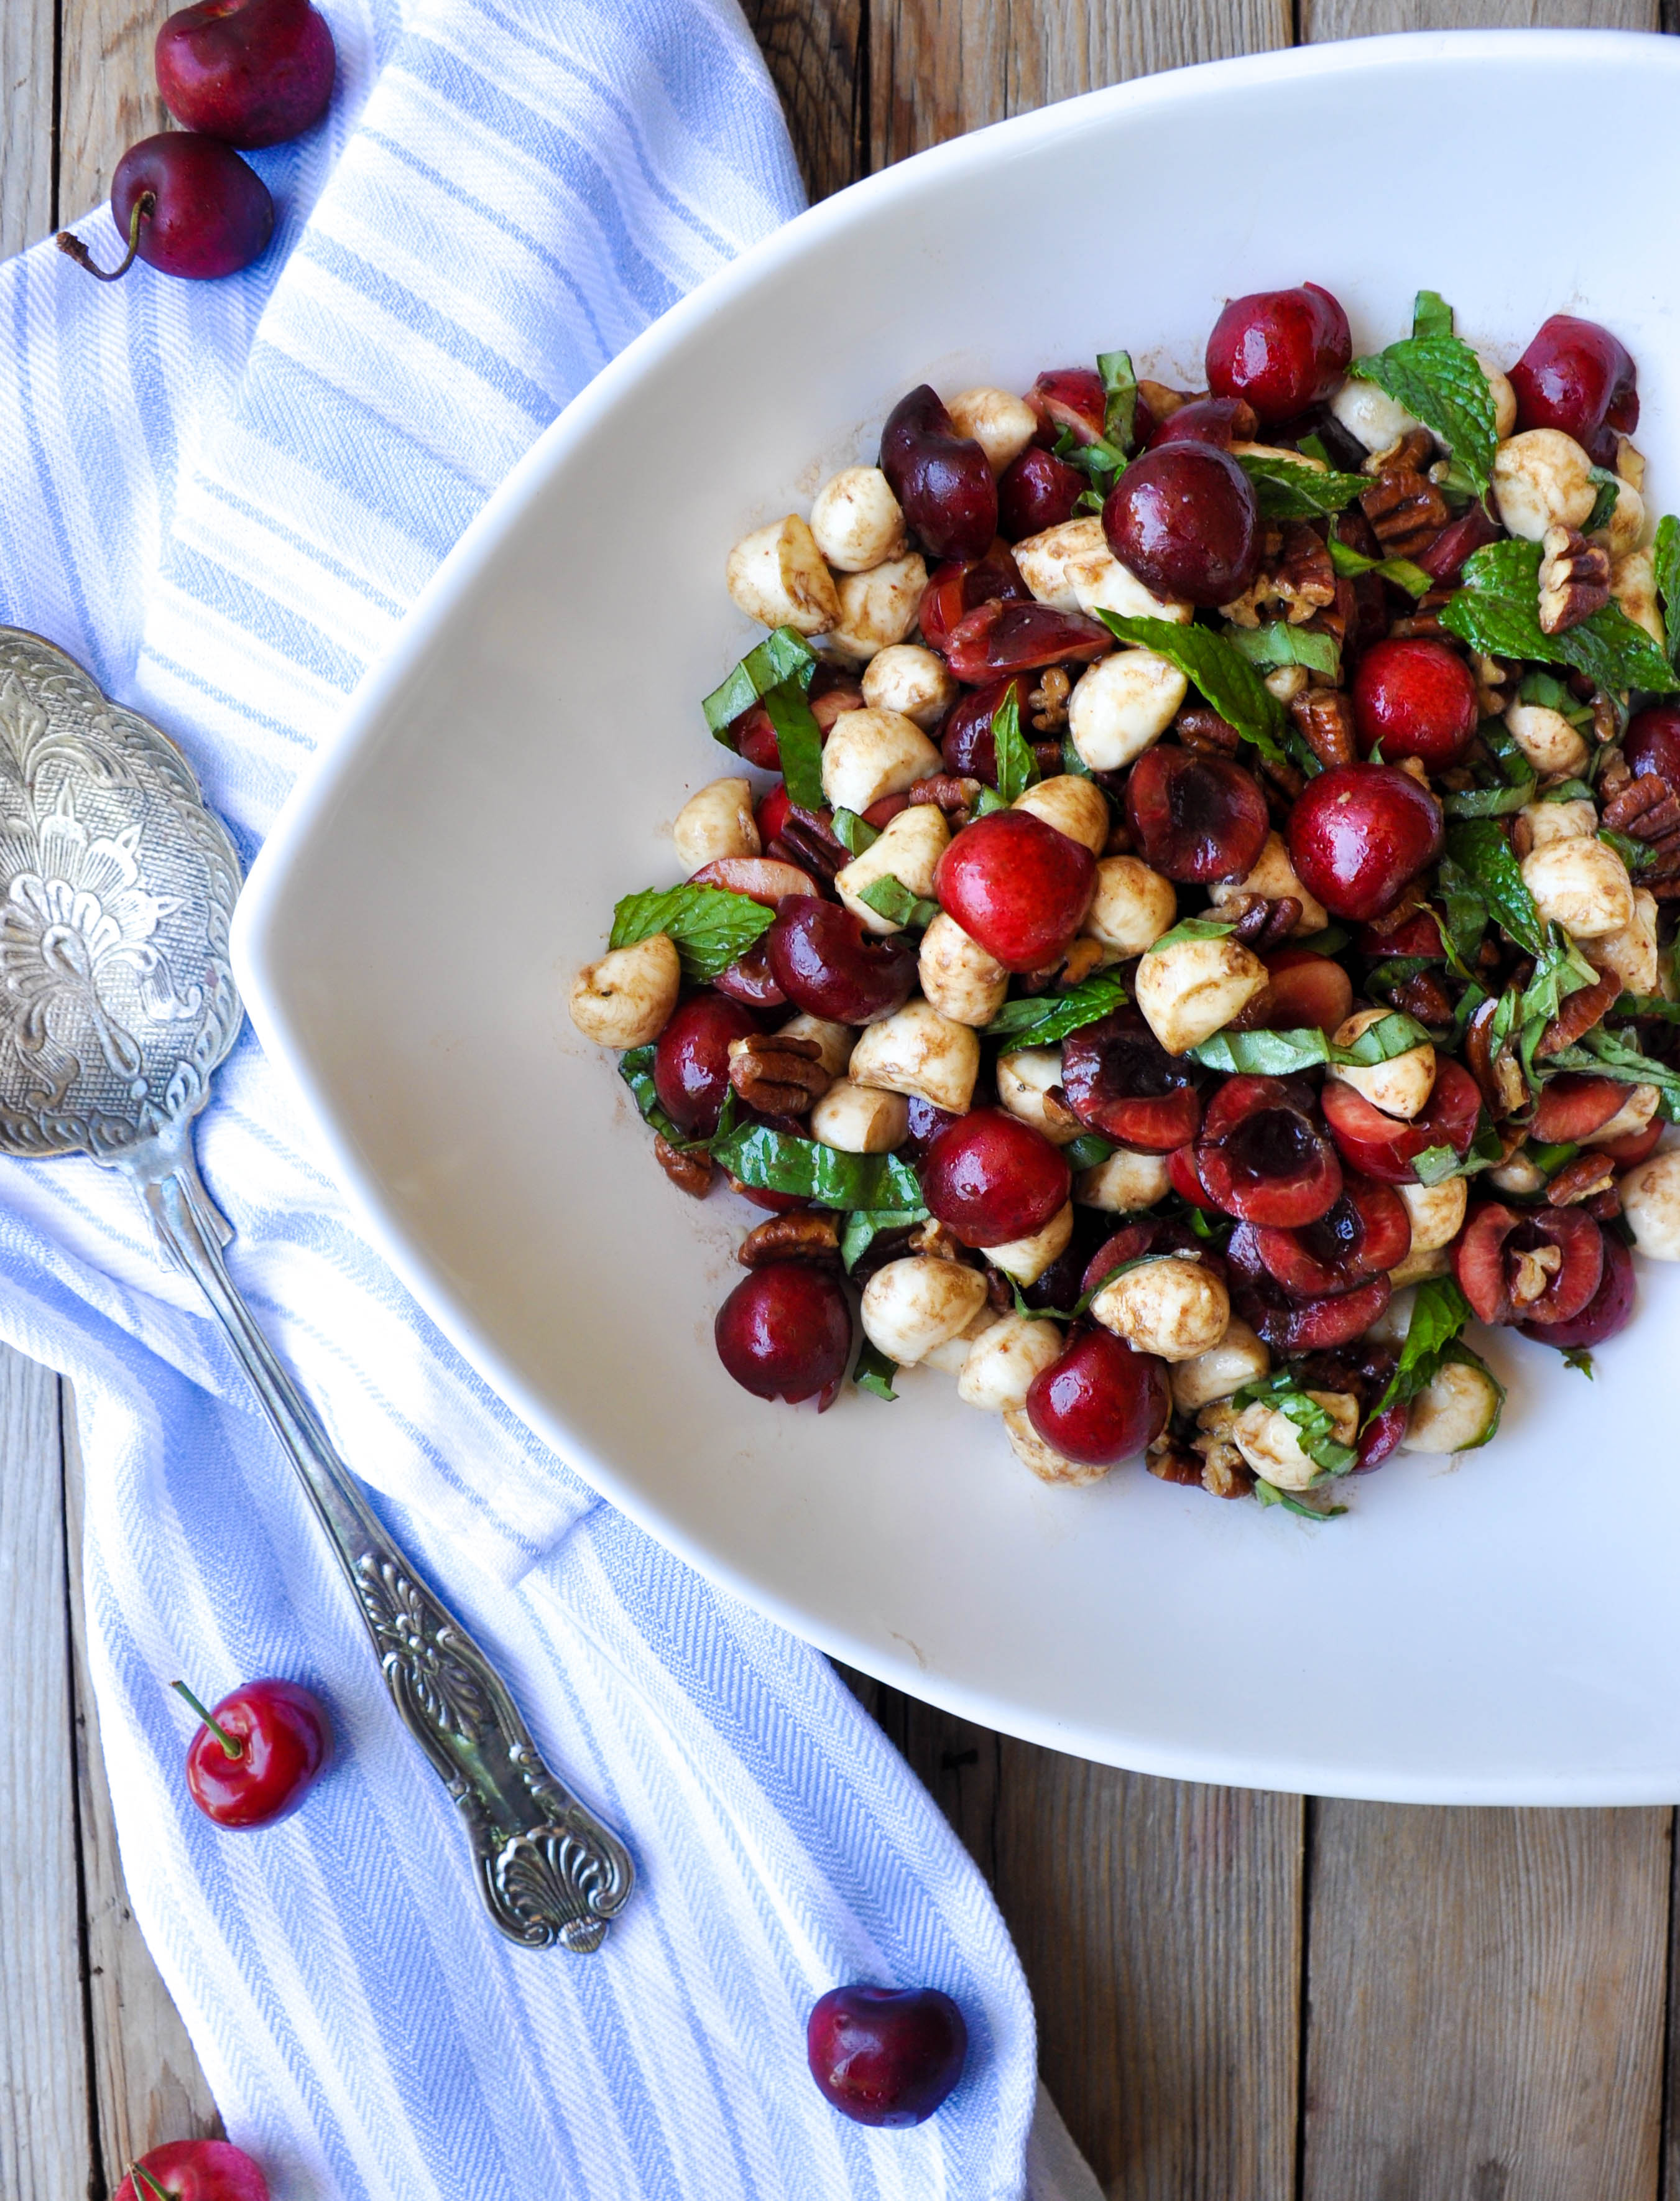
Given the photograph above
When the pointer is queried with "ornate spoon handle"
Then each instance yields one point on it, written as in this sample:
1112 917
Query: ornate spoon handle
548 1867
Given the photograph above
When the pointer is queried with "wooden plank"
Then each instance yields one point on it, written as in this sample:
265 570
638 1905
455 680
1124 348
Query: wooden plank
817 53
148 2085
1362 19
1486 1994
941 67
45 2120
107 96
27 32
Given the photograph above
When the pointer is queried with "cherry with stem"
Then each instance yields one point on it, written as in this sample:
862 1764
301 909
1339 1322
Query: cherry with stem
230 1744
69 243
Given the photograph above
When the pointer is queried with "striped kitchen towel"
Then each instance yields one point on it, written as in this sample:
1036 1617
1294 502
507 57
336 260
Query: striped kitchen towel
222 497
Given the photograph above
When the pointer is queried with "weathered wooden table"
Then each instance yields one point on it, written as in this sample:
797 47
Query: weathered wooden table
1241 1996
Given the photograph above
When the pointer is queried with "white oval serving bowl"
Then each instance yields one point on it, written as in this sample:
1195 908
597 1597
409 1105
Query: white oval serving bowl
1505 1630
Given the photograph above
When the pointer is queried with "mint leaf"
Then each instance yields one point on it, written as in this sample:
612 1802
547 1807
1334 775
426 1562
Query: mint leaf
1225 679
1636 855
1439 380
1647 1005
1432 316
1609 489
783 655
873 1371
1281 1054
1193 928
1120 397
709 926
1483 854
1280 644
854 834
1045 1019
635 1067
1285 490
889 897
775 1161
1666 562
1439 1313
1488 801
1017 767
1497 610
863 1225
1401 570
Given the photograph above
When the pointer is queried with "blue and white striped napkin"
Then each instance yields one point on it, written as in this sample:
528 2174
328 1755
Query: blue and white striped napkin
222 497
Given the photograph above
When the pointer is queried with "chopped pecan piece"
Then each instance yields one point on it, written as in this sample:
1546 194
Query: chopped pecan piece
1584 1178
1174 1462
1205 731
1226 1474
1424 996
1296 576
1578 1012
933 1239
1574 579
1326 719
805 1238
1262 923
948 791
1604 1206
1415 449
690 1172
1535 1270
1406 512
776 1075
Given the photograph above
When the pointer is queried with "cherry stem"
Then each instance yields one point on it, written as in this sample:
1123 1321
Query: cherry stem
141 2176
69 242
230 1744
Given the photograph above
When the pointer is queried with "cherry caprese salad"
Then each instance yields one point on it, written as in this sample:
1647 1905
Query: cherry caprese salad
1190 925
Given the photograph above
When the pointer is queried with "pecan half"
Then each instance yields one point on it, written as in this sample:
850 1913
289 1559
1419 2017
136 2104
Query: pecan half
1173 1462
1423 996
803 1237
1262 923
1226 1474
947 791
1578 1012
1326 719
1415 449
1296 576
1205 731
1584 1178
776 1075
1647 809
688 1172
1406 512
1574 579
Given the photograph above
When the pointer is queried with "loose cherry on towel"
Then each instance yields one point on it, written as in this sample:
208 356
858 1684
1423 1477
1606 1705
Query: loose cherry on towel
188 206
250 72
194 2170
886 2055
258 1751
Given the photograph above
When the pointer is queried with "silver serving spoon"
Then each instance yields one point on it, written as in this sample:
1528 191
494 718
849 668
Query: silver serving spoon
117 1003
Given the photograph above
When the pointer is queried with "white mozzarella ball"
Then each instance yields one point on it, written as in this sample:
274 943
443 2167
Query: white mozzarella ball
1582 885
1045 1462
834 1042
1002 424
878 609
1436 1212
1026 1259
1239 1358
1125 1184
1131 906
1274 879
907 679
1000 1365
1057 563
1025 1081
870 753
1074 806
1631 953
1543 479
859 1120
920 1054
957 976
1121 704
1453 1412
1191 988
1633 1115
1176 1309
626 998
1270 1443
856 522
1651 1202
1633 584
911 1305
717 821
948 1357
1546 738
1576 820
907 850
777 576
1399 1086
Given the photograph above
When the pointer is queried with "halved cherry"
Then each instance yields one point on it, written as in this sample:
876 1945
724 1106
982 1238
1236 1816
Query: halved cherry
1363 1234
1574 1105
1242 1254
1307 990
1120 1080
1220 421
1262 1156
761 878
1036 491
965 732
1197 818
750 979
1185 1180
1129 1243
1293 1327
1419 934
998 638
1633 1146
1442 559
1540 1265
1610 1308
1384 1146
1071 397
961 585
1380 1437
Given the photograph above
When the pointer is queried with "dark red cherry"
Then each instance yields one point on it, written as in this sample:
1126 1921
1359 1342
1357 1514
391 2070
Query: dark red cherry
1283 350
691 1062
1574 1104
1418 698
1101 1402
1418 934
1129 1243
1609 1309
252 72
750 979
1633 1146
990 1178
1359 834
1120 1081
1185 520
1444 558
1220 421
1263 1157
828 965
1292 1327
1363 1234
260 1748
1001 638
1504 1253
194 2170
1186 1179
965 733
1070 397
1196 818
1016 886
1577 377
886 2055
1306 989
1385 1147
785 1332
961 585
926 1123
1379 1439
1651 743
202 211
1036 491
944 481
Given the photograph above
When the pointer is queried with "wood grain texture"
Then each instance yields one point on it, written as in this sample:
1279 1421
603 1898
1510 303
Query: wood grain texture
1363 19
107 96
147 2086
817 55
26 36
1486 1993
938 67
44 2124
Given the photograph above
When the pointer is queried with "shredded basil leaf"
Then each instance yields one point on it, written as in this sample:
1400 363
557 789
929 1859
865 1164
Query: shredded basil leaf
1401 570
799 741
1497 610
1281 1054
1280 644
1636 855
1267 1493
1331 941
854 834
1439 1313
782 655
1488 801
774 1161
1439 381
1043 1020
1087 1151
1432 316
889 897
863 1225
1100 461
873 1371
709 927
1228 681
1285 490
1017 768
1647 1005
1193 928
1120 397
1604 1054
1314 1425
1665 563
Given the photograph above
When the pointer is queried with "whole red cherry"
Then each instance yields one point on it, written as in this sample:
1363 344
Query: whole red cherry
1577 377
188 205
1184 519
1651 743
250 72
259 1749
1283 350
886 2055
1101 1402
1221 421
1418 698
785 1332
1359 834
691 1062
990 1178
1017 887
194 2170
829 964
